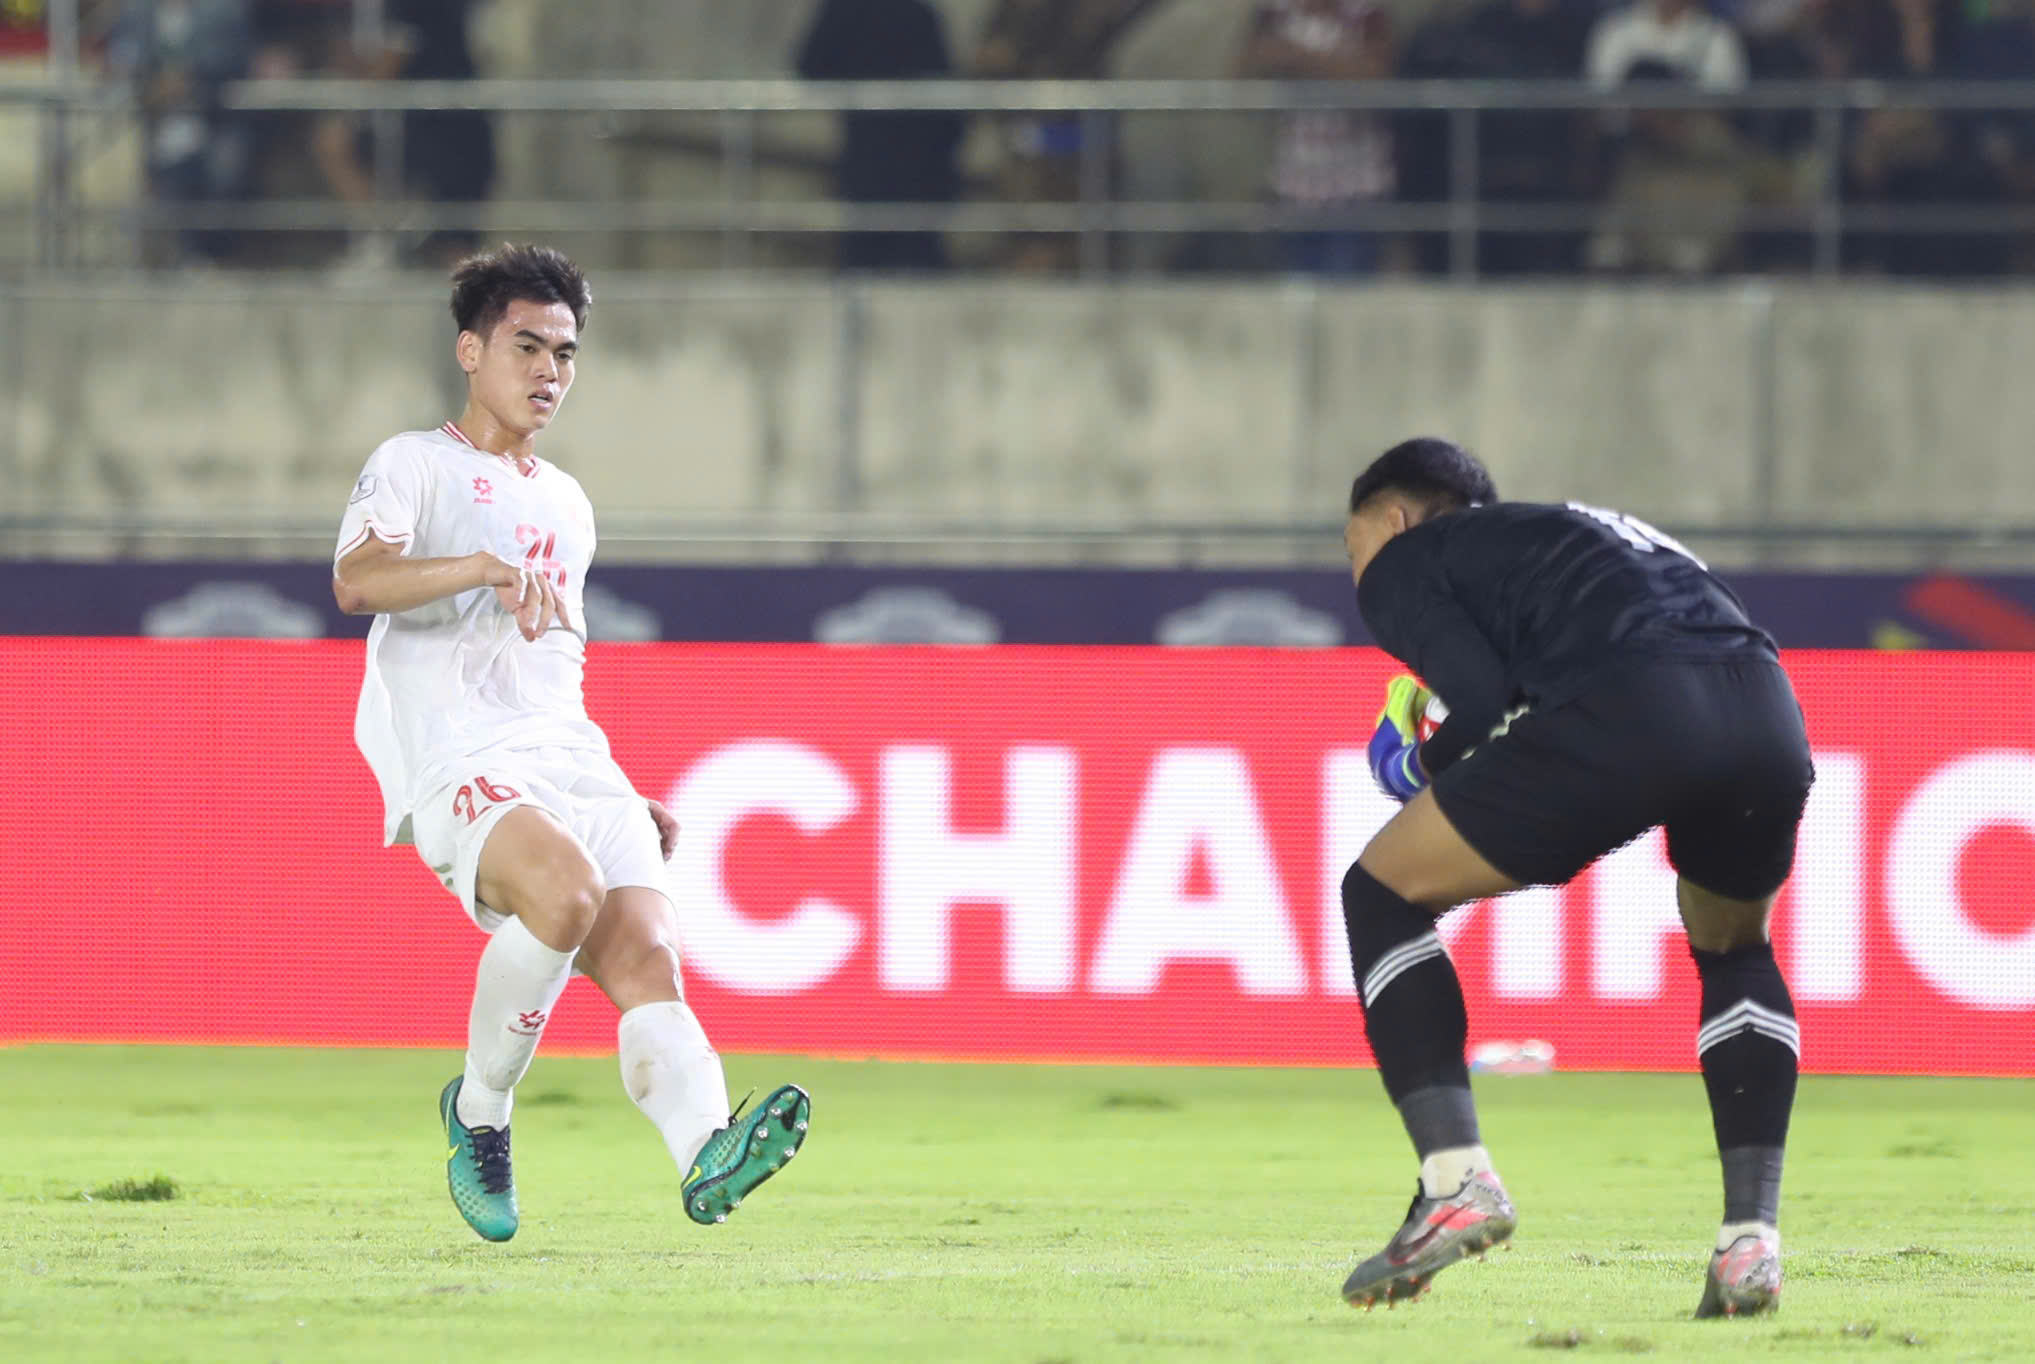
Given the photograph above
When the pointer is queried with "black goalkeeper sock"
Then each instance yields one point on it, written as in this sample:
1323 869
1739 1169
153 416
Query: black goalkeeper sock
1749 1045
1413 1012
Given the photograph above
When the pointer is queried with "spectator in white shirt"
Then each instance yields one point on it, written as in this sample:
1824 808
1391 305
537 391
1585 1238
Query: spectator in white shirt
1678 34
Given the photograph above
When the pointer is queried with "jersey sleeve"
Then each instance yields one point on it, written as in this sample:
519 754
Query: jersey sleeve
387 501
1415 616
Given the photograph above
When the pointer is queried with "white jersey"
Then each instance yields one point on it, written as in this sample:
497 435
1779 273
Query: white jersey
455 677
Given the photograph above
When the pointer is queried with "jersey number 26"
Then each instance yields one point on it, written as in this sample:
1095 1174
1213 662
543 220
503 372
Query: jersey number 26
539 547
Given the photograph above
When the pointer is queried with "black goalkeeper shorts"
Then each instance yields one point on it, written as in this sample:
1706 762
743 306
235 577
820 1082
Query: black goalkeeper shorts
1714 749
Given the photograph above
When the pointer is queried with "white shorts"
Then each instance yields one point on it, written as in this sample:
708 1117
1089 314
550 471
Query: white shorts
586 792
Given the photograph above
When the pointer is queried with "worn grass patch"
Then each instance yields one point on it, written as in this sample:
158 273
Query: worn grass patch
154 1189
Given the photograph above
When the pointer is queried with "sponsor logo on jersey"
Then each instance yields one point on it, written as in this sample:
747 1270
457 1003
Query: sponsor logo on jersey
483 492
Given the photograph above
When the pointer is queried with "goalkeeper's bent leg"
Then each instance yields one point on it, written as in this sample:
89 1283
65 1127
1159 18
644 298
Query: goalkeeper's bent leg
1417 1024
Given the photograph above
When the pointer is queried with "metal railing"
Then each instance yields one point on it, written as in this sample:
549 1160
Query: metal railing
737 213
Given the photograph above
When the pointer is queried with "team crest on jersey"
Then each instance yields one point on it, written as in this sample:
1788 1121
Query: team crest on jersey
362 490
483 492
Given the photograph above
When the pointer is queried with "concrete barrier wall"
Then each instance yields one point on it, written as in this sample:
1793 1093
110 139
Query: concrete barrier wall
1020 404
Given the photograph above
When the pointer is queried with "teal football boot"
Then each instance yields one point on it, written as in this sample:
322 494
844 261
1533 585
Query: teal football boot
746 1152
477 1171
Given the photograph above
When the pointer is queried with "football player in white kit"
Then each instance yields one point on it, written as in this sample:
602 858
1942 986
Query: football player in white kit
472 554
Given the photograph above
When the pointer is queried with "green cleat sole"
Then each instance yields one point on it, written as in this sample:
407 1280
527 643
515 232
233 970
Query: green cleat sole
770 1135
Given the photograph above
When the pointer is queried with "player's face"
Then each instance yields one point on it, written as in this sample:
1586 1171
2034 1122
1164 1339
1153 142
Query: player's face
520 370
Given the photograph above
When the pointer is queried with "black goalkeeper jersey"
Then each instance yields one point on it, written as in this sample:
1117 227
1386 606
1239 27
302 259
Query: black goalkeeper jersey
1522 604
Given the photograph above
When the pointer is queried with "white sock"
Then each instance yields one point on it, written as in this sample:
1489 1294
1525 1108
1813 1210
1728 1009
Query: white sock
1731 1231
1445 1171
518 981
674 1075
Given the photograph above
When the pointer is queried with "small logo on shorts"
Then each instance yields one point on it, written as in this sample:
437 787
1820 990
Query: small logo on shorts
483 492
529 1024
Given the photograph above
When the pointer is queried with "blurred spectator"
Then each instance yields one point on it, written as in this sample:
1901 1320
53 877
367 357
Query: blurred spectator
1832 40
1677 34
1908 156
1510 40
2001 142
1823 40
448 156
1756 20
1680 182
1525 156
1324 160
1049 40
179 53
310 31
896 157
1677 175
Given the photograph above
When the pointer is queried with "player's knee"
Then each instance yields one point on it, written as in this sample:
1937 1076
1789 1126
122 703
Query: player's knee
1377 917
639 966
1402 882
564 901
1725 936
653 967
1717 924
579 904
1411 868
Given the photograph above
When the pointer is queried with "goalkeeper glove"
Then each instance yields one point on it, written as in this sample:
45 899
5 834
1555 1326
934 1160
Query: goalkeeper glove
1395 744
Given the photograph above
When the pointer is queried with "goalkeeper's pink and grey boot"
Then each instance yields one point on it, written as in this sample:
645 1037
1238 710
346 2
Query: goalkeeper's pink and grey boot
1744 1278
1437 1233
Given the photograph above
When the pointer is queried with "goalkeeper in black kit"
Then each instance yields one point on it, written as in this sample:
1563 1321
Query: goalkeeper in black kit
1598 681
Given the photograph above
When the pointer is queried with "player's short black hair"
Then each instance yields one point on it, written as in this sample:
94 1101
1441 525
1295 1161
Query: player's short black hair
1437 472
484 286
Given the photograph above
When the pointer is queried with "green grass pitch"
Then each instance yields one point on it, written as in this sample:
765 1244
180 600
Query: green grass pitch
1021 1214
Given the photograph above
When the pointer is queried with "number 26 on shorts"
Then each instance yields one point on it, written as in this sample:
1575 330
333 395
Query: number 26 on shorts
490 794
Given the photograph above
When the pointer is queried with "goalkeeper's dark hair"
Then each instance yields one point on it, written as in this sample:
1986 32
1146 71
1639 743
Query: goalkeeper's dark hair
484 286
1439 474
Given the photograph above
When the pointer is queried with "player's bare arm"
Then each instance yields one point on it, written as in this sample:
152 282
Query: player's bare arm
377 579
